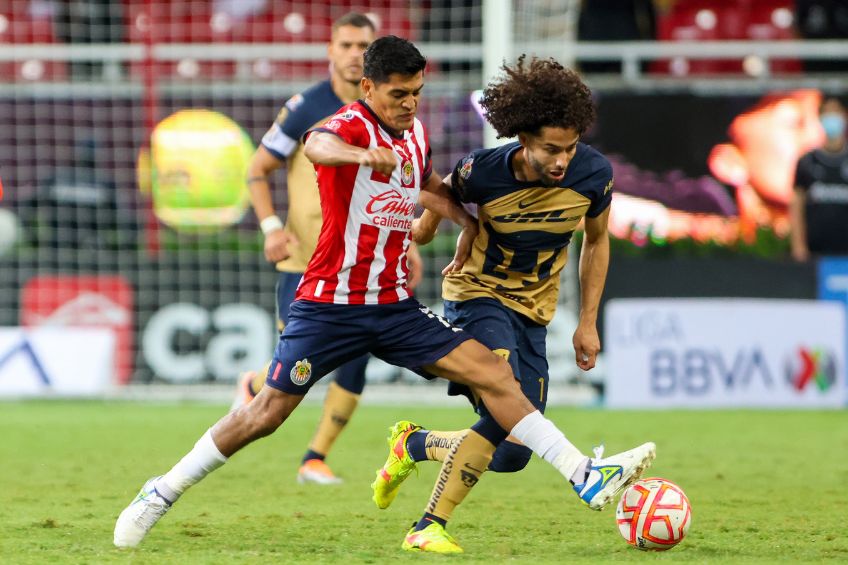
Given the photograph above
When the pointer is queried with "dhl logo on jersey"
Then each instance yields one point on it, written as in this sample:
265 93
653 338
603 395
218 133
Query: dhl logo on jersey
554 216
552 209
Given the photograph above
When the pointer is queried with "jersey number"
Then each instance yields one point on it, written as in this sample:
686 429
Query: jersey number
504 264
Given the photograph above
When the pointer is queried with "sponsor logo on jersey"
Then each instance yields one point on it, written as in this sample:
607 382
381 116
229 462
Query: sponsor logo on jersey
608 187
301 372
522 204
552 216
390 209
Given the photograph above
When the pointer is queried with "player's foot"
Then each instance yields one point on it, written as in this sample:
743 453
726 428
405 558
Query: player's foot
318 472
398 465
433 538
608 476
140 516
245 392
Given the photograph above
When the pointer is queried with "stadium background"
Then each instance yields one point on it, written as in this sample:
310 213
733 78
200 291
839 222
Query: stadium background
84 84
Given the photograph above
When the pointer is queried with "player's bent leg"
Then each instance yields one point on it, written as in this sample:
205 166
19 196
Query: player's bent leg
460 471
489 376
398 466
234 431
472 364
255 420
510 457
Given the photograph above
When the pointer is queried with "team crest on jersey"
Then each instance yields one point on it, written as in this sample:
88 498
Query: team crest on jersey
465 170
407 171
332 125
301 372
295 101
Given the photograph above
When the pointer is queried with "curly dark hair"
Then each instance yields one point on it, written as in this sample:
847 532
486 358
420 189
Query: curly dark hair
389 55
541 93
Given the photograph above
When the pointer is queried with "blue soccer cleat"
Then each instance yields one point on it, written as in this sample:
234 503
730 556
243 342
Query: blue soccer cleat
608 476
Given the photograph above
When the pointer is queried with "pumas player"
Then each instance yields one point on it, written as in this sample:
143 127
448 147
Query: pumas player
530 196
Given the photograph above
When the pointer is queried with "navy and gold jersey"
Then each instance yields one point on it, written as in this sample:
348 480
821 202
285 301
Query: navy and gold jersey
301 113
525 228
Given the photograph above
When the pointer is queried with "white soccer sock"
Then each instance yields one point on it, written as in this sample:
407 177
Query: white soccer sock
199 462
544 438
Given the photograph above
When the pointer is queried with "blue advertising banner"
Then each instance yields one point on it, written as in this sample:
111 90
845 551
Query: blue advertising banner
833 284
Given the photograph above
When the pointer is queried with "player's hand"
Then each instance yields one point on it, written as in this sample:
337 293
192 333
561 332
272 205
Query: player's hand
278 244
416 267
464 243
587 345
381 159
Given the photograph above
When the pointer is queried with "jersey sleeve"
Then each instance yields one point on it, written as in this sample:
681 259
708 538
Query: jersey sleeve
463 180
346 125
601 183
283 137
803 174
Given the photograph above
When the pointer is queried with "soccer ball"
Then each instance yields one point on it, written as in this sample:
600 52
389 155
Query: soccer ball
653 514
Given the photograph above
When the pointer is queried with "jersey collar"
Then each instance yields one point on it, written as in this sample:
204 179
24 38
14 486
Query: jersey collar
391 131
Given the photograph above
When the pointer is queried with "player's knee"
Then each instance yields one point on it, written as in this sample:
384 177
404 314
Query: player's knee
262 418
498 378
510 457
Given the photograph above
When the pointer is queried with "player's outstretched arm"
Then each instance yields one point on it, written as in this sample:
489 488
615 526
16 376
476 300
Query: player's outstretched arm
594 262
324 148
277 239
436 197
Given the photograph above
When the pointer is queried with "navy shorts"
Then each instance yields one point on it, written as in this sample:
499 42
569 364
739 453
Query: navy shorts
286 288
320 337
351 375
509 334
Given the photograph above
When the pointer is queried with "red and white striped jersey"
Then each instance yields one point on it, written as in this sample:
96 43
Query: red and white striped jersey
361 253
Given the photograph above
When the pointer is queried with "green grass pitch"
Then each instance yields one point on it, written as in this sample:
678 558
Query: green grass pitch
765 486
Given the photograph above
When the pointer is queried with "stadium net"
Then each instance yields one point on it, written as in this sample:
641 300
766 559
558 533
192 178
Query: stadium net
88 236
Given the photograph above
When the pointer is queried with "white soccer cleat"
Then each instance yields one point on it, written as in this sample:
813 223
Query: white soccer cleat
140 516
608 476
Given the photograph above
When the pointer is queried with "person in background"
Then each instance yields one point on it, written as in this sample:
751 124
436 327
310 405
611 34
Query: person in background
819 206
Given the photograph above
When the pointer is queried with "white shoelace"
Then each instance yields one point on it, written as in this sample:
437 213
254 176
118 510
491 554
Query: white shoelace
598 451
152 511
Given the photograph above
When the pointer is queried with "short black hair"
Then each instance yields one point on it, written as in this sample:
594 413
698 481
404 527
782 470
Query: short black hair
535 94
390 55
354 19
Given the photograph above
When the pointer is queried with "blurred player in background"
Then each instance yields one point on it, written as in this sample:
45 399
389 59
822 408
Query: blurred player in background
819 206
529 196
373 164
291 246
